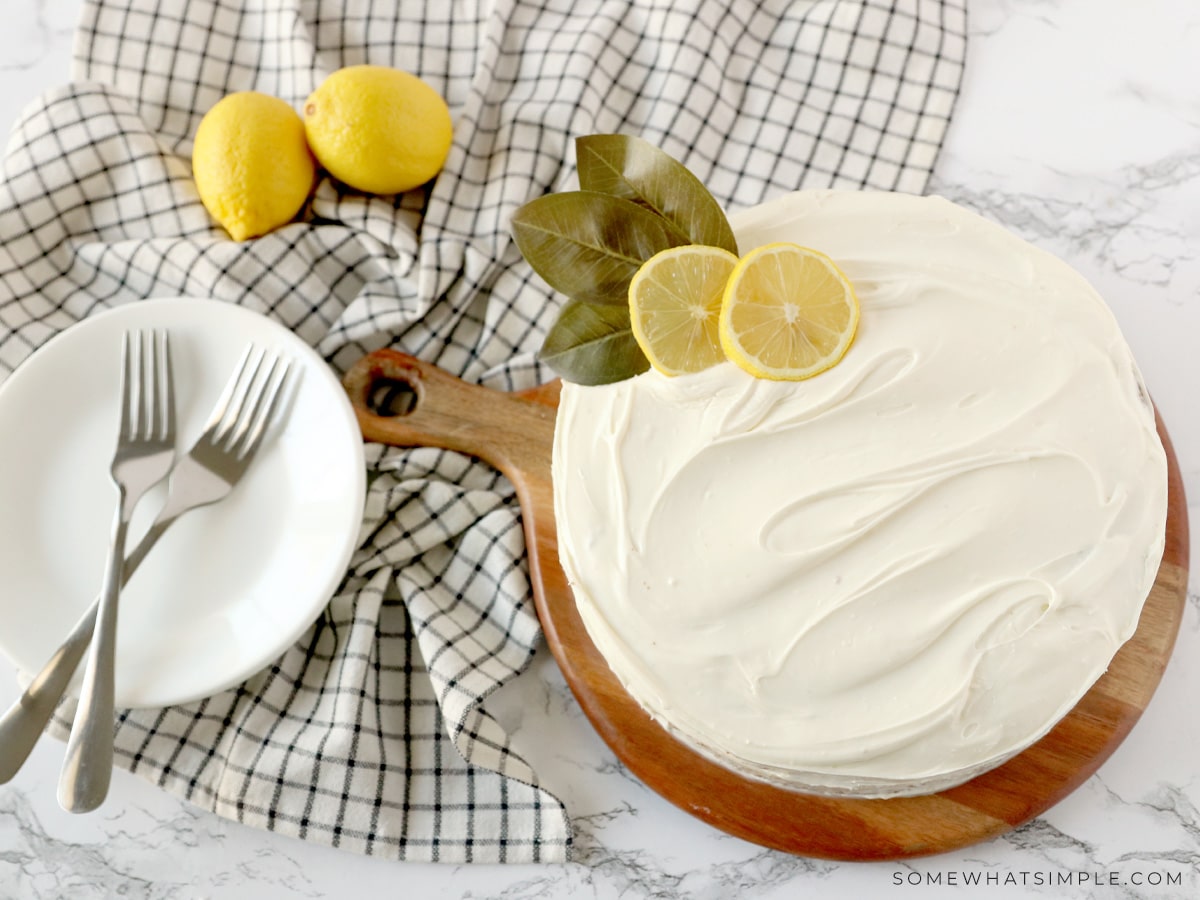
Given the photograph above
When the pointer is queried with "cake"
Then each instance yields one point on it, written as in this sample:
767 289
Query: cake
893 576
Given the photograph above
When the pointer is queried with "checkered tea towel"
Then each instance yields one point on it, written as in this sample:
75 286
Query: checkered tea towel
371 733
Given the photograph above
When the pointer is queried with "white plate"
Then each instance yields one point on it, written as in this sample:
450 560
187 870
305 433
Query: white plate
230 586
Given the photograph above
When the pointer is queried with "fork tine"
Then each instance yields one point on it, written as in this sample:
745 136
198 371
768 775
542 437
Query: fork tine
255 422
248 408
237 422
227 435
139 384
145 385
126 387
213 427
167 380
150 386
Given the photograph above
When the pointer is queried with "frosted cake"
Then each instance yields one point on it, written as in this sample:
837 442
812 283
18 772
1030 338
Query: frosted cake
895 575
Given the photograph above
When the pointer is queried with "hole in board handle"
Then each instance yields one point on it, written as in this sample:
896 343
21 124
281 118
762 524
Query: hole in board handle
390 397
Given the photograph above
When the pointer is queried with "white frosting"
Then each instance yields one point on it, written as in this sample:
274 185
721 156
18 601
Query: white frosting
894 575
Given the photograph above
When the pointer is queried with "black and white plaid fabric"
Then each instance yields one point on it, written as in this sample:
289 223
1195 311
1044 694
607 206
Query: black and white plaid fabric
371 732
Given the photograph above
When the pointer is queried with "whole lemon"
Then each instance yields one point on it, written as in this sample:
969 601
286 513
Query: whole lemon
251 163
378 129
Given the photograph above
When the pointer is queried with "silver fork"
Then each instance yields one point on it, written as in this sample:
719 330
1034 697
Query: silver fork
206 474
145 451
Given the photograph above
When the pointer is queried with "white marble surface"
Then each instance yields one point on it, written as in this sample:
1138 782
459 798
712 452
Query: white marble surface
1079 128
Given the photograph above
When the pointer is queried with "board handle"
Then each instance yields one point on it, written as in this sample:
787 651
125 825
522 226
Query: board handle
407 402
512 432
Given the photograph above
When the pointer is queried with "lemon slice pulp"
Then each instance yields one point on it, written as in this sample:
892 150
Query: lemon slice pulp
788 313
675 304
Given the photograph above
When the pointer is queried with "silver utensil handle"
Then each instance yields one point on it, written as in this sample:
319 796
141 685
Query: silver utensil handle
23 723
25 720
87 769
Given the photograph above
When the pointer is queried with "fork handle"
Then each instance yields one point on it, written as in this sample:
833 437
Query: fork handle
23 722
87 770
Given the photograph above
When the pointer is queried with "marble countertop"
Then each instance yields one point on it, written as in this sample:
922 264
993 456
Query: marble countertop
1078 128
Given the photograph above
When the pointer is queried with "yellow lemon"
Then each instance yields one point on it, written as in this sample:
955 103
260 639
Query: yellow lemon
251 163
788 313
378 129
674 304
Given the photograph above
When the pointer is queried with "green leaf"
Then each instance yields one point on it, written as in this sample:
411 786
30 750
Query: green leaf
593 344
635 170
582 242
613 295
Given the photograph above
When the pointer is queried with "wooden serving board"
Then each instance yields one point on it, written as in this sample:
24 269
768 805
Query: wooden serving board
514 433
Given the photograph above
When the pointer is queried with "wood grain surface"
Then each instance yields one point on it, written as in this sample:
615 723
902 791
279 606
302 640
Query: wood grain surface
514 433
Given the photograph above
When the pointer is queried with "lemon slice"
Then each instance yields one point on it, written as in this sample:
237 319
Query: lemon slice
788 313
675 303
